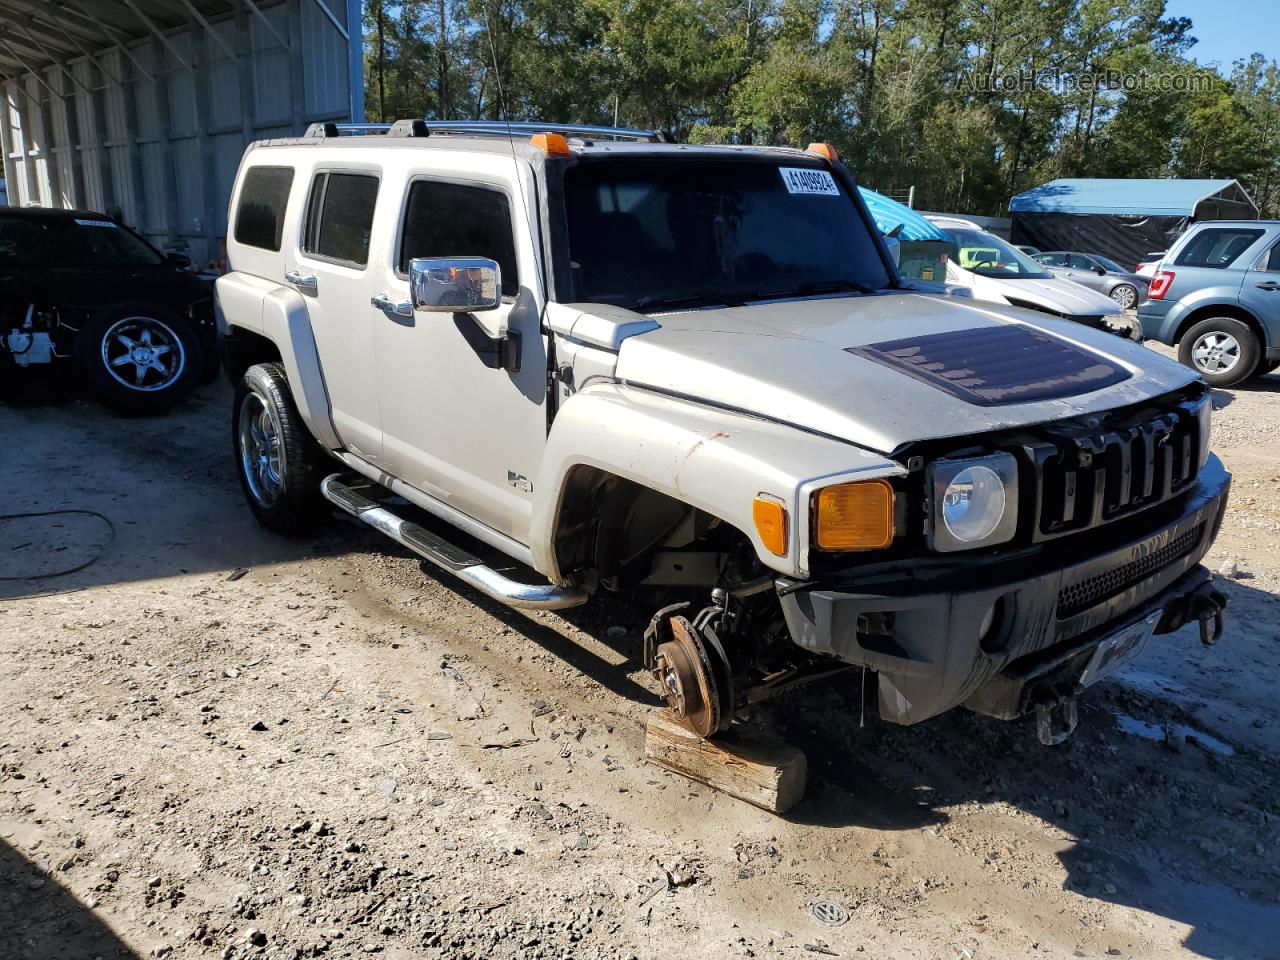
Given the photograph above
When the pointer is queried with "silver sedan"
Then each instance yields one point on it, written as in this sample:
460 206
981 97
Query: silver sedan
1101 273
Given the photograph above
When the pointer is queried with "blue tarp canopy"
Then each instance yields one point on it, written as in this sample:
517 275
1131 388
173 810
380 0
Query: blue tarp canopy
1199 199
890 213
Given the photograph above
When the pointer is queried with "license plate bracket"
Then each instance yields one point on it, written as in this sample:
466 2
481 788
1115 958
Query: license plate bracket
1119 648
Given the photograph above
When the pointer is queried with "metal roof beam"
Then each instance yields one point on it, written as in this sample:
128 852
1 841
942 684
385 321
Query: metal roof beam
32 26
266 22
104 13
208 29
54 58
34 71
158 34
115 42
334 20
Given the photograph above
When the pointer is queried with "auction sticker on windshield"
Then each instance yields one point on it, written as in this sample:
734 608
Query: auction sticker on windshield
802 180
97 223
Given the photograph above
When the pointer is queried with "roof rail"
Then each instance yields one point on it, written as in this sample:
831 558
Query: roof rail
346 129
501 128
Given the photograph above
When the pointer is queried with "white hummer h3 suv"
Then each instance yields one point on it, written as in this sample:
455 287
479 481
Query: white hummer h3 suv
627 362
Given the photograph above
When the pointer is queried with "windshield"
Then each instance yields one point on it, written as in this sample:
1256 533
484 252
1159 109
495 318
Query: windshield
989 256
651 234
1109 264
71 242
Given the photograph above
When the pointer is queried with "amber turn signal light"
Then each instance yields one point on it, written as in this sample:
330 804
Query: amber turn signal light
854 516
552 144
770 518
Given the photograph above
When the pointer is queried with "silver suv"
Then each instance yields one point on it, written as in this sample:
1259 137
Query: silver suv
627 364
1217 297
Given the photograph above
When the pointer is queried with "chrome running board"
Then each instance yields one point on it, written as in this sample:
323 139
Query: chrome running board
526 596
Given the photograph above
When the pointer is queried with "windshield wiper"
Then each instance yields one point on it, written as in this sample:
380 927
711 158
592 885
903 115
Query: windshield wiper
815 287
696 299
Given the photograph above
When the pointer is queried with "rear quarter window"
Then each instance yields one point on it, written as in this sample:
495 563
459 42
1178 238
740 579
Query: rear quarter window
1217 247
264 196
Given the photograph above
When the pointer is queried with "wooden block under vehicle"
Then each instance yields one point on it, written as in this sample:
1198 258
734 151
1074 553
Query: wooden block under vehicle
742 763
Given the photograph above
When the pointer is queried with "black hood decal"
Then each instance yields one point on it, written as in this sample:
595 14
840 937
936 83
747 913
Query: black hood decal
993 366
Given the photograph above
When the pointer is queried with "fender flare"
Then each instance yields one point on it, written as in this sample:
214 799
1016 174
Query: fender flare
712 459
285 322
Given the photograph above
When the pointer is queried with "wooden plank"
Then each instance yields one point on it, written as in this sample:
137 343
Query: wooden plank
742 763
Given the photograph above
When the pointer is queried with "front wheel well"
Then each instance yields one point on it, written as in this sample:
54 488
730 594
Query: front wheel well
1222 310
613 527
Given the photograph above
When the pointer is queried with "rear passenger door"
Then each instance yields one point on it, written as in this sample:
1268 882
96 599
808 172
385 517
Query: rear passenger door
1260 292
330 266
456 424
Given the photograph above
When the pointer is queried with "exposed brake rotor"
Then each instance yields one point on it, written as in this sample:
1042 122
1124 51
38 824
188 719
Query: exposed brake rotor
688 679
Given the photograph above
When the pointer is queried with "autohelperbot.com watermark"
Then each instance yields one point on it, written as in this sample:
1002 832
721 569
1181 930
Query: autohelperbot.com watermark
1056 80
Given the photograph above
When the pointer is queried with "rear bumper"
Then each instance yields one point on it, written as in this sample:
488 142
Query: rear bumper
981 635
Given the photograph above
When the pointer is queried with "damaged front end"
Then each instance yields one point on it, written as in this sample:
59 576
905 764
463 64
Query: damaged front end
1115 513
28 335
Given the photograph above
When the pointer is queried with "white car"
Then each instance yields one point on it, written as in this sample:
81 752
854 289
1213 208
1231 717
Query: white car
1149 264
996 271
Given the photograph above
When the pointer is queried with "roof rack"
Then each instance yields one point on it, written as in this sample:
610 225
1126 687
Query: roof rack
482 128
346 129
502 128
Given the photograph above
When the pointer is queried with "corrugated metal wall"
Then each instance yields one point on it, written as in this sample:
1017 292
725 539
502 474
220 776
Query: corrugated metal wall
156 127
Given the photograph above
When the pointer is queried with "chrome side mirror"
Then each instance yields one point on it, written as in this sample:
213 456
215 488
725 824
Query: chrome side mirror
455 284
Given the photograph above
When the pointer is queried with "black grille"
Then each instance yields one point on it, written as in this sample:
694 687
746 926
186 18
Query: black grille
1094 471
1079 597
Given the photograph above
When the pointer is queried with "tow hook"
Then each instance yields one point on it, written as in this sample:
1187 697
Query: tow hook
1055 712
1208 606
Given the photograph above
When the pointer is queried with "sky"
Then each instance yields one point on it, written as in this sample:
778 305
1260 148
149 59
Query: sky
1230 30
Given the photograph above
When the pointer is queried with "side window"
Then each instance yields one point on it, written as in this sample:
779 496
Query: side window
1217 247
1077 262
340 217
1051 259
457 220
263 198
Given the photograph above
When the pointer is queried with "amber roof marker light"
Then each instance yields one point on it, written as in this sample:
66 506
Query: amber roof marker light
824 150
552 144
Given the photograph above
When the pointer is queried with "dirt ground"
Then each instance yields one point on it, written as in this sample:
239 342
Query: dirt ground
219 743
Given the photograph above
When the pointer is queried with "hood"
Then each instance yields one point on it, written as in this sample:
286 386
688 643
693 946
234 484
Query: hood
1054 293
884 370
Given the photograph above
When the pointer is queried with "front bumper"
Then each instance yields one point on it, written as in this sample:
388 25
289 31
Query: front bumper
984 635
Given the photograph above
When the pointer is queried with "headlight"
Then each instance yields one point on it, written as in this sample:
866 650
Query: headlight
975 502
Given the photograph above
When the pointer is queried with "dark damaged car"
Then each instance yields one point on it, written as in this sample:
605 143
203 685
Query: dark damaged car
78 288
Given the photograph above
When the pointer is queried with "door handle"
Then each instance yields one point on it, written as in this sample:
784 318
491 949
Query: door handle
1268 285
387 305
302 283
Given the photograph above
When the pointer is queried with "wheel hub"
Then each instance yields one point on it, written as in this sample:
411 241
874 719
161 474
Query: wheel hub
688 680
143 354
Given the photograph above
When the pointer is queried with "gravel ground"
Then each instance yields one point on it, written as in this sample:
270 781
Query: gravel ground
218 743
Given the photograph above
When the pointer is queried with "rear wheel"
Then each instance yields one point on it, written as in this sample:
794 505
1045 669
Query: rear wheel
1222 350
1126 295
141 358
280 463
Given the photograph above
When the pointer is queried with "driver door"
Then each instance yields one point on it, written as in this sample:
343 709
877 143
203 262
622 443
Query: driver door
458 424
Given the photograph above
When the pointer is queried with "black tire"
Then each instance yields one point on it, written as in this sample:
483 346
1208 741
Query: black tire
1229 351
1125 294
114 345
284 495
1265 366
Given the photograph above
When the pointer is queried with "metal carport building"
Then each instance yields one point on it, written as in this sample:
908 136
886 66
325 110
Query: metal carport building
144 107
1122 219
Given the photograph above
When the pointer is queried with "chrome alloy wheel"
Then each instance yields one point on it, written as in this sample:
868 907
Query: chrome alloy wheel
1215 352
143 353
1125 296
261 452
